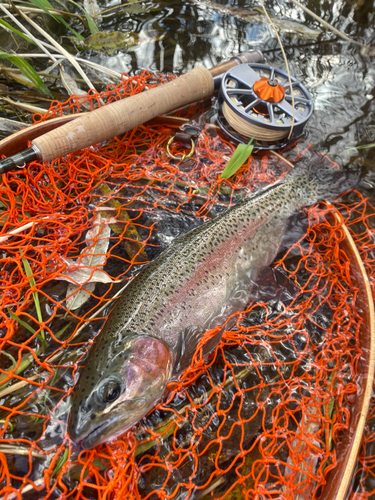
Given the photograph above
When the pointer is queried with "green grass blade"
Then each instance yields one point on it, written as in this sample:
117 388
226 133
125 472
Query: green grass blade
62 461
10 425
14 30
21 322
58 334
14 362
27 70
142 447
75 33
62 330
29 274
25 362
364 146
91 23
237 153
241 154
51 384
92 26
46 6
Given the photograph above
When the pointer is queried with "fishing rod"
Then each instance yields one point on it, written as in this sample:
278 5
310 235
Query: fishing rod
118 117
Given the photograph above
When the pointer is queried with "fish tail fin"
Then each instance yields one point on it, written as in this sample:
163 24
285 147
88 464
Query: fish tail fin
314 182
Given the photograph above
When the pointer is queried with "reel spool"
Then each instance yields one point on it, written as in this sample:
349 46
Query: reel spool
255 101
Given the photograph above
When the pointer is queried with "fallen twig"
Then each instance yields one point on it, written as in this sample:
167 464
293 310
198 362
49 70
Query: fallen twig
11 233
40 11
327 25
18 385
16 450
98 67
22 105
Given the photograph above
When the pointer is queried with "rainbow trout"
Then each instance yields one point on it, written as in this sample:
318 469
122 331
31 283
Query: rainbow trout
194 285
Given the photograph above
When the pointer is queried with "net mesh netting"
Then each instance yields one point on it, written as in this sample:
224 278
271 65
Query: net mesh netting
262 416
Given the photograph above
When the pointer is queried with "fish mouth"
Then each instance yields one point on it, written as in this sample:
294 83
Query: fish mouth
104 432
99 436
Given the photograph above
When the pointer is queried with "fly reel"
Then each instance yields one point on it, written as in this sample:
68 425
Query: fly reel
255 100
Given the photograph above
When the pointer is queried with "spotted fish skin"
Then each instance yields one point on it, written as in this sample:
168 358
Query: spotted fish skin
194 285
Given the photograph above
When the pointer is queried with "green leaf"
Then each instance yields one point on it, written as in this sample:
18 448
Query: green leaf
45 5
25 362
90 21
27 70
62 461
14 362
21 322
62 330
30 276
4 23
10 425
364 146
241 154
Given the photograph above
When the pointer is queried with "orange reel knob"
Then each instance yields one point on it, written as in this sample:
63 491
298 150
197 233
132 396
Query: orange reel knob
269 90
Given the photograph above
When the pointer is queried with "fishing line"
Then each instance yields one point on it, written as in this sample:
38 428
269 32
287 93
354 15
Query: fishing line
250 130
285 59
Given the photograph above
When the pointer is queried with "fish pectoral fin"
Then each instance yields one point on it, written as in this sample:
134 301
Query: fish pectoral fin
187 345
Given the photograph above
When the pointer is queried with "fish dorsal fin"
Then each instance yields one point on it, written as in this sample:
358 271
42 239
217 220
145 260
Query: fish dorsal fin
187 344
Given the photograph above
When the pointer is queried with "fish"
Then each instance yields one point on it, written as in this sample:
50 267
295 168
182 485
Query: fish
194 285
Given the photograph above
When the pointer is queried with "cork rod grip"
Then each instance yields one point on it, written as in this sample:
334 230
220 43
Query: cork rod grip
121 116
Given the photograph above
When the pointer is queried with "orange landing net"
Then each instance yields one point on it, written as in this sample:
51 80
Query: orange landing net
262 417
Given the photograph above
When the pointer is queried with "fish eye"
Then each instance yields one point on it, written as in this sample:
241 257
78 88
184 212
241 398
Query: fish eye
110 391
